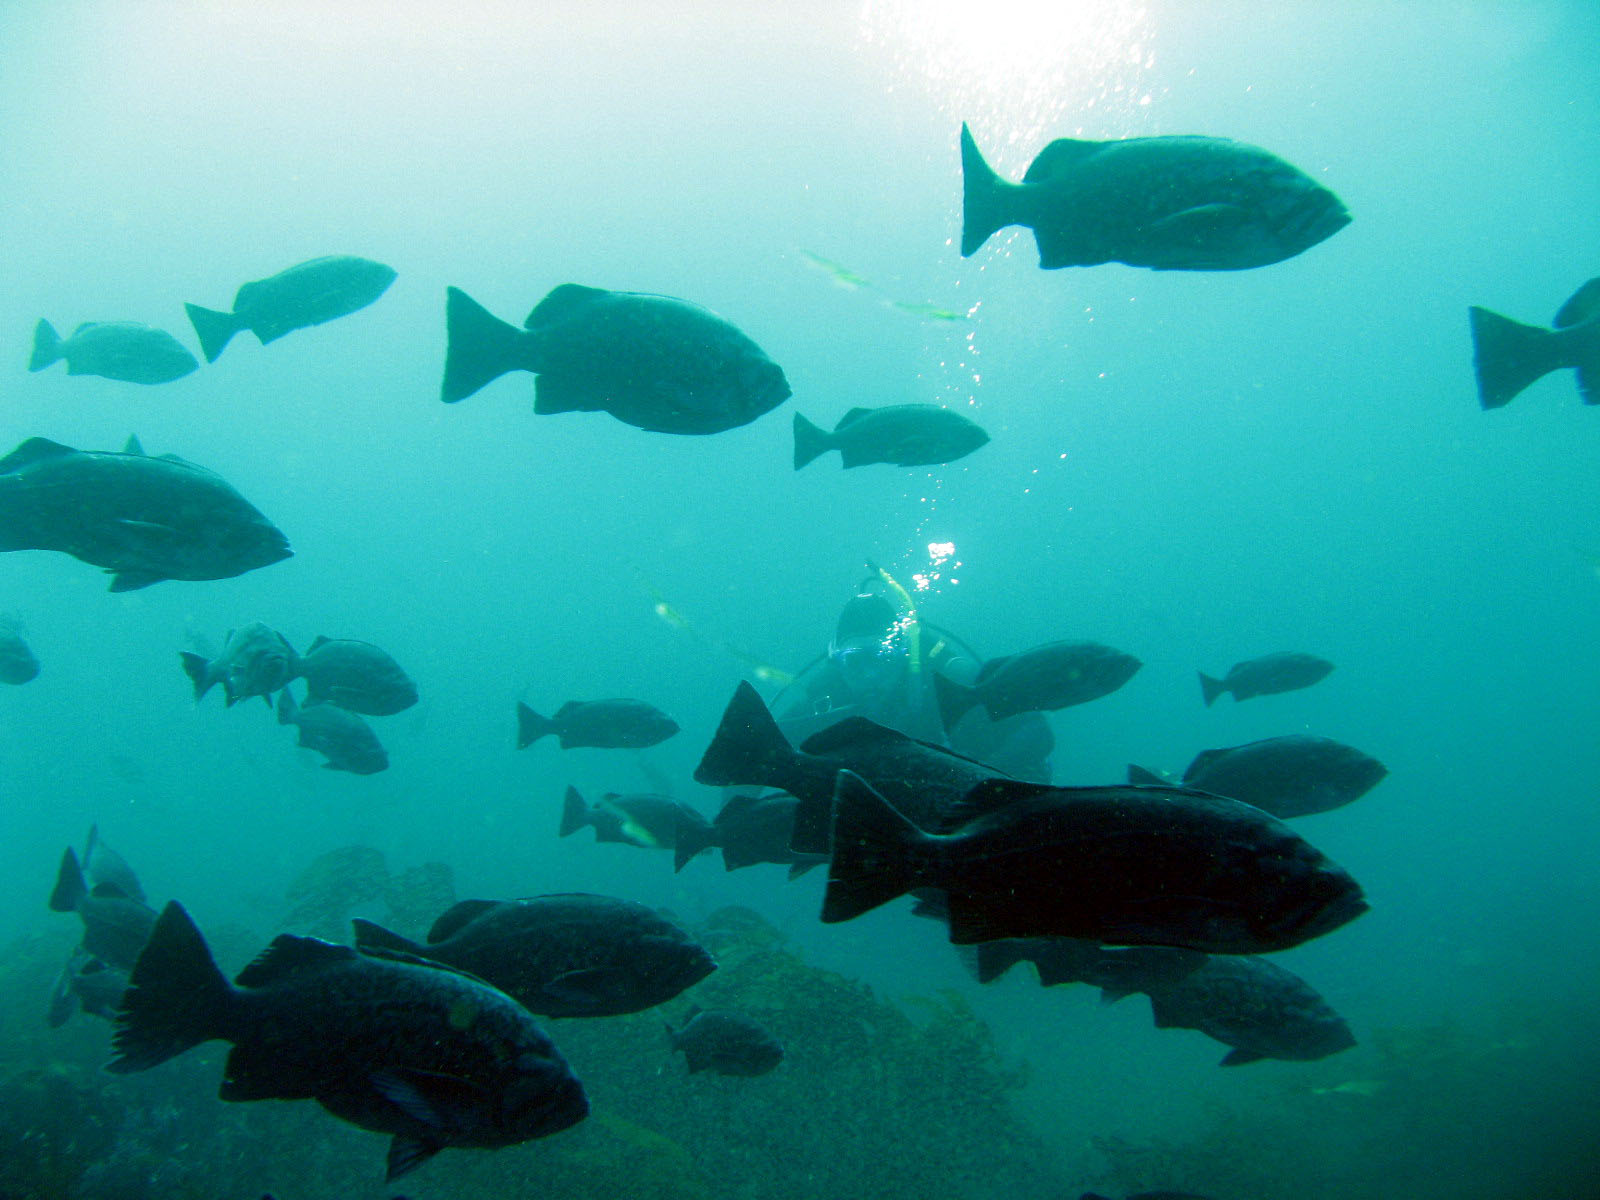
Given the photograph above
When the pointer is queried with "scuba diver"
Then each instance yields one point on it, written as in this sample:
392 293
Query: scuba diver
881 665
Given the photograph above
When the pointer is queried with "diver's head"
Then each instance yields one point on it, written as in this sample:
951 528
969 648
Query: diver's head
869 648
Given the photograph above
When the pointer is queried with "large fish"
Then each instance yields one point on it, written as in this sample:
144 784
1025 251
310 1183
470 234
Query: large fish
357 676
652 361
339 735
386 1041
255 661
725 1042
301 296
621 724
1291 776
143 519
1286 671
572 955
1119 865
1053 676
641 819
1170 203
122 350
1507 356
904 435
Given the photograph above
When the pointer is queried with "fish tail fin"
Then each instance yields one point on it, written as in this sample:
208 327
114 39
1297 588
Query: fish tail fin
176 997
70 887
371 936
575 812
809 441
748 746
984 207
198 668
1210 688
479 347
46 346
1589 372
872 851
1508 356
287 709
531 726
689 839
954 699
214 329
994 959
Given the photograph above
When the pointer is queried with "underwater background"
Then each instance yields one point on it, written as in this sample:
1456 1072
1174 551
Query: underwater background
1192 467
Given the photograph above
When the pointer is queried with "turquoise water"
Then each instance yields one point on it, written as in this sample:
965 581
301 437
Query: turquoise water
1195 468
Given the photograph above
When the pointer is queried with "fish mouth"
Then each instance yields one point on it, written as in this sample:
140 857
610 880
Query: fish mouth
1316 218
1322 915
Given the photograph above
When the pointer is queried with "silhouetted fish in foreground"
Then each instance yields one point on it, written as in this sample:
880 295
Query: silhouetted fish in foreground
1508 356
1286 671
121 350
301 296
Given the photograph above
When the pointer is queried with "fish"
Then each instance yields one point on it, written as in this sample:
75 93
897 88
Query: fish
750 829
1118 972
1121 865
921 779
17 662
567 955
1291 776
904 435
726 1042
339 735
640 819
1254 1006
1185 203
86 984
109 901
603 724
255 661
143 519
356 676
655 362
1046 678
1268 675
310 293
123 350
1508 356
388 1042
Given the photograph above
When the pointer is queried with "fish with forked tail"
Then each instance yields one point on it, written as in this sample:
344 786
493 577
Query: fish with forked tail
1508 356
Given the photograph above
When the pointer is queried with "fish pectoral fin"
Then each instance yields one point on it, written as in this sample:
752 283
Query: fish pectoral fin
407 1154
132 581
427 1096
588 989
1202 223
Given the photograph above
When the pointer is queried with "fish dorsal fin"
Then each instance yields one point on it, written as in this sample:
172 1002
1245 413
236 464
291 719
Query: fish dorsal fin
133 446
289 954
852 731
34 450
1583 304
1060 156
457 916
562 303
1203 760
990 796
319 640
855 414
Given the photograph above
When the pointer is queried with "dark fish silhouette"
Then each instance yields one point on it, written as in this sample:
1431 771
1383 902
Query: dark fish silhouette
603 724
640 819
388 1042
1265 676
1053 676
727 1043
308 294
573 955
920 779
904 435
344 739
1119 865
652 361
748 830
17 663
122 350
255 661
109 901
143 519
357 676
1291 776
1508 356
1171 203
1254 1006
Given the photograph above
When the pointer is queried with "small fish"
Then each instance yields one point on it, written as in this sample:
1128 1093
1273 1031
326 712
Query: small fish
309 294
648 821
344 739
603 724
749 830
116 920
728 1043
122 350
1268 675
654 362
17 663
142 519
1508 356
255 661
1119 865
386 1041
1291 776
904 435
572 955
86 984
1169 203
1053 676
356 676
